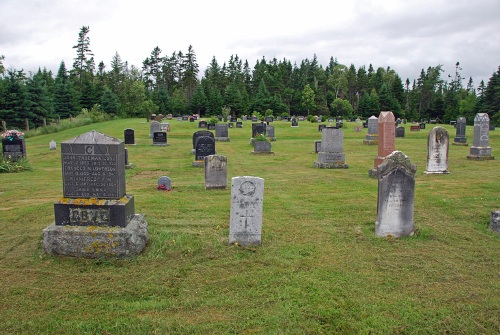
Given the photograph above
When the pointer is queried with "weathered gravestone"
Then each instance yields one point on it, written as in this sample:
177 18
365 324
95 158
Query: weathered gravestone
372 136
13 145
221 132
164 126
254 118
247 198
437 151
400 132
154 127
164 184
160 138
460 138
270 133
480 149
396 195
495 221
128 165
52 145
331 155
386 137
96 217
205 146
211 126
215 172
129 136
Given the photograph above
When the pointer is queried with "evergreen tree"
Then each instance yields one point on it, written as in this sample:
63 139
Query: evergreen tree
64 101
39 100
109 102
13 107
190 75
83 65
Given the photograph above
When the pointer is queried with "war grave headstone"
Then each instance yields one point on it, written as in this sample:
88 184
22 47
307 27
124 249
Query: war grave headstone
199 134
52 145
202 124
396 196
386 138
400 132
480 149
154 127
221 132
270 133
460 138
164 184
239 124
331 155
95 217
129 136
13 145
437 151
160 138
205 146
247 198
495 221
372 137
215 172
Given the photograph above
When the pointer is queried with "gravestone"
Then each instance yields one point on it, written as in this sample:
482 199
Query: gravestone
239 124
386 137
254 118
270 133
205 146
13 145
258 128
244 118
52 145
211 126
199 134
247 198
129 136
160 138
317 146
422 125
128 165
372 136
320 127
461 126
164 126
164 184
221 132
96 217
495 221
400 132
269 119
215 172
396 195
295 123
437 151
331 155
202 124
185 118
154 127
230 125
301 118
480 149
262 147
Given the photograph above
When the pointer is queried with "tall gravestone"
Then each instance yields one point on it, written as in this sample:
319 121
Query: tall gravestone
13 145
460 138
386 137
396 195
215 172
247 198
129 136
480 149
222 132
154 127
197 135
96 217
331 155
437 151
372 136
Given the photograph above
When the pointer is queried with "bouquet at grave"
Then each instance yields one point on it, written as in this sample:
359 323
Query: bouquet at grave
163 187
261 138
12 135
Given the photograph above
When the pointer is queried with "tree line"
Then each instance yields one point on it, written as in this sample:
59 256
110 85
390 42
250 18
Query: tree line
170 84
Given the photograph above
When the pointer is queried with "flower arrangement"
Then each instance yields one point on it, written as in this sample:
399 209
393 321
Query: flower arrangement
261 138
163 187
12 135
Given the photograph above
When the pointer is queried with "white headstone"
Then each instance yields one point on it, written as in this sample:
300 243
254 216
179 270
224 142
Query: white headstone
437 151
52 145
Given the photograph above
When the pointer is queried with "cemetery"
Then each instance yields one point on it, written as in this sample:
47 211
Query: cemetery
297 242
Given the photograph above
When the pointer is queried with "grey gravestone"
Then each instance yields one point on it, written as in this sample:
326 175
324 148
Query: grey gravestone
154 127
437 151
239 124
270 133
247 198
52 145
211 126
202 124
254 118
244 118
93 167
396 195
129 136
128 165
205 146
164 126
185 117
230 125
215 172
372 136
269 119
164 184
221 132
331 155
258 128
317 146
262 147
301 118
480 149
160 138
400 132
461 126
495 221
14 148
320 127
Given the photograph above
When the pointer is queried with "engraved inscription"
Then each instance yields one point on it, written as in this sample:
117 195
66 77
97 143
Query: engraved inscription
99 216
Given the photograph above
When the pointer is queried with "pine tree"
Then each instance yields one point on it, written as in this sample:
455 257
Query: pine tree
64 102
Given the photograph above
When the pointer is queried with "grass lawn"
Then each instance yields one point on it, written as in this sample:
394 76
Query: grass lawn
319 270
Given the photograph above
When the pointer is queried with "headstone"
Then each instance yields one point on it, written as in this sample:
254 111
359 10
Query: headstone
262 147
129 136
317 146
154 127
437 151
396 194
230 125
221 132
254 118
93 167
164 126
160 138
202 124
495 221
400 132
414 128
372 136
52 145
164 184
295 123
128 165
199 134
386 137
13 145
492 127
422 125
258 128
269 119
301 118
270 133
244 118
461 126
215 172
205 146
247 198
239 124
185 117
211 126
331 155
480 149
320 127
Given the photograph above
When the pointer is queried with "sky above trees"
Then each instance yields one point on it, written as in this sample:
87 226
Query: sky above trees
407 35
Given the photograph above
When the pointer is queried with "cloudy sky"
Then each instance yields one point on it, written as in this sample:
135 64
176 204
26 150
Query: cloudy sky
406 35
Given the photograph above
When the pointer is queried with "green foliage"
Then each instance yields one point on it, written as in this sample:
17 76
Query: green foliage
341 107
261 138
225 111
8 165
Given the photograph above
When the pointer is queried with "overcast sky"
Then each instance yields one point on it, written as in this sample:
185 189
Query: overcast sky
406 35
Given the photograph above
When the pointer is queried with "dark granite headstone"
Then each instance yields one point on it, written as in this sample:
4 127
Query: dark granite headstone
202 124
205 146
461 127
160 138
129 136
295 123
239 124
211 126
400 132
258 128
199 134
14 149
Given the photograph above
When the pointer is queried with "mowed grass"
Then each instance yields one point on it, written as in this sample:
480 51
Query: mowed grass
319 270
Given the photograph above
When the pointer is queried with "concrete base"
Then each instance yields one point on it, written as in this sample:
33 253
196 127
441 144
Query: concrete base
222 139
97 242
129 166
160 144
331 165
436 172
480 158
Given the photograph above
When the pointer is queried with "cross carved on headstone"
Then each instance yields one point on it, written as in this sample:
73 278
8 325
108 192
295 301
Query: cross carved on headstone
246 217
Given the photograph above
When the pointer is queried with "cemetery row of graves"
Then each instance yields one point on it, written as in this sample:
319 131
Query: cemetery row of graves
257 179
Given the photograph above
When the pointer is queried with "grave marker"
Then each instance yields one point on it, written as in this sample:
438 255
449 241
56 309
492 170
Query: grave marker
480 149
372 136
129 136
386 137
13 145
160 138
437 151
154 127
331 155
221 132
215 172
460 138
